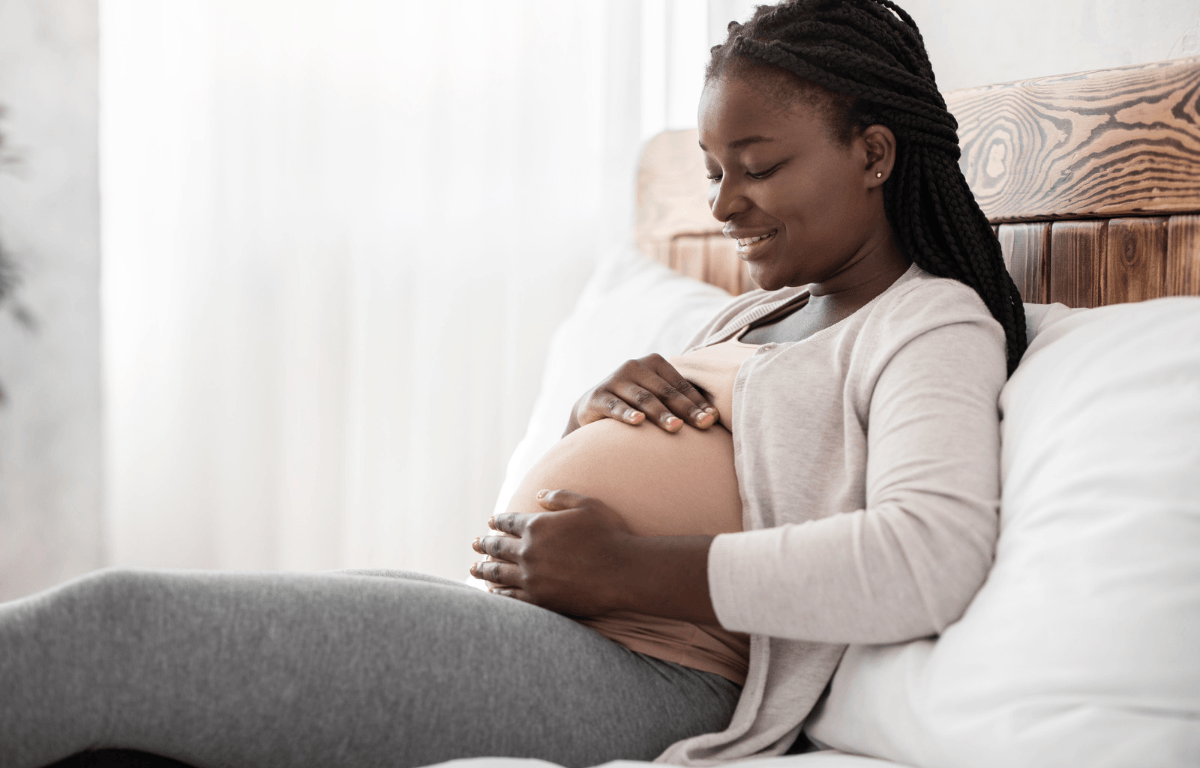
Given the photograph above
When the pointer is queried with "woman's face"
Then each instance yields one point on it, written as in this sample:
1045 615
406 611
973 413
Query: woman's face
803 207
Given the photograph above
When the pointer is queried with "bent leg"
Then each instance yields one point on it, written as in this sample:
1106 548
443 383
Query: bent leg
219 669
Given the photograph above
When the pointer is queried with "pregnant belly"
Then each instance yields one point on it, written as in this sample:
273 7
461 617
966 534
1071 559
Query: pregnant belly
661 484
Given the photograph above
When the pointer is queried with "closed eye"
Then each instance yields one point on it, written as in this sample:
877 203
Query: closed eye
751 174
764 174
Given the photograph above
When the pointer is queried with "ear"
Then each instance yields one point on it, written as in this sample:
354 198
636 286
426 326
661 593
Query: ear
880 144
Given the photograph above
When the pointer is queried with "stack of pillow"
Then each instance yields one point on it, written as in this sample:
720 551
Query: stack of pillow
1083 646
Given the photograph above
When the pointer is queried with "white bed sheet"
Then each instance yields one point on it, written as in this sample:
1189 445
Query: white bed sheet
823 759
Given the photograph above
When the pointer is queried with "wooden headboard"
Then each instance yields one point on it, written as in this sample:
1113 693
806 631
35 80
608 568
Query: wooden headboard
1091 180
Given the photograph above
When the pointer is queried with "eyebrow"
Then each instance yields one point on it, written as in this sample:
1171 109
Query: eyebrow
743 142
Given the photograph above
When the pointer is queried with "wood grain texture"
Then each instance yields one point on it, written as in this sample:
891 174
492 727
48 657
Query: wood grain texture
1116 142
1183 256
687 255
724 268
672 192
1134 260
1027 255
710 258
1077 262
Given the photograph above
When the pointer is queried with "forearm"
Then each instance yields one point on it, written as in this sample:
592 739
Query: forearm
580 558
880 575
666 576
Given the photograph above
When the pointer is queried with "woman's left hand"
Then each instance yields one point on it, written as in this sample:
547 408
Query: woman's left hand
566 559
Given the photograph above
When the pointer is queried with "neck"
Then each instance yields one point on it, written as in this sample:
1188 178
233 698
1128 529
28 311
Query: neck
878 265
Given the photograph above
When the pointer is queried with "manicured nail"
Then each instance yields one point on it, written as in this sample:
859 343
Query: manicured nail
632 416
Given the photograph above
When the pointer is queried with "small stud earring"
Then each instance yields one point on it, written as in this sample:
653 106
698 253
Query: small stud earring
879 174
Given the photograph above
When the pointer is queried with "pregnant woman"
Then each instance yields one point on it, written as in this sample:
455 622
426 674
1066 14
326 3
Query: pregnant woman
678 578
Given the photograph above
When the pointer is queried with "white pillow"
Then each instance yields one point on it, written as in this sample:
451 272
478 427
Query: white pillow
630 307
1083 646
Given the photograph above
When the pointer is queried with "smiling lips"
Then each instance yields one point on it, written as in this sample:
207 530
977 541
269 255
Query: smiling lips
745 244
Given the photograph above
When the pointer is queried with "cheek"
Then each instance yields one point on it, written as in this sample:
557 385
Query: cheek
840 198
820 205
798 198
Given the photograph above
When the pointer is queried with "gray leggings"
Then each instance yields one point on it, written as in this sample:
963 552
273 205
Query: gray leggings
352 668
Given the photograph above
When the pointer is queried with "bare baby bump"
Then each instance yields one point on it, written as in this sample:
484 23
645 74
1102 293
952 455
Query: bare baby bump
661 484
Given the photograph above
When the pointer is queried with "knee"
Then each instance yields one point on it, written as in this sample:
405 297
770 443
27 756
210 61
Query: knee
111 595
110 583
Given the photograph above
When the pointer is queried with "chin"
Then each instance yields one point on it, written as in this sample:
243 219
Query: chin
760 279
768 281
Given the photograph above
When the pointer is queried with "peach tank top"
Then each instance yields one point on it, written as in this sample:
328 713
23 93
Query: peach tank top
661 484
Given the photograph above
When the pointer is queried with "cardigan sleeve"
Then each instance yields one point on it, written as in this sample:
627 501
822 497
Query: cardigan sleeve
907 564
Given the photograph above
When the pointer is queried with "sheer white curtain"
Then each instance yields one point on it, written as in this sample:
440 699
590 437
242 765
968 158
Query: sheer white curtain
336 239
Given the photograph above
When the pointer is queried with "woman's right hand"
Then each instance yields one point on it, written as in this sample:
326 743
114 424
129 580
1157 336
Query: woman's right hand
648 388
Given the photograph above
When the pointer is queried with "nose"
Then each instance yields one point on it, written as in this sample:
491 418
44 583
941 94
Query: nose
725 200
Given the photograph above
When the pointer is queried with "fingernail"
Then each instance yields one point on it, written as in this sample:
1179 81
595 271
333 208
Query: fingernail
710 410
542 493
492 522
632 415
701 416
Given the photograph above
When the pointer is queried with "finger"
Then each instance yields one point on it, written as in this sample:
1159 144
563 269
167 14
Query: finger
645 400
603 404
684 399
510 522
669 405
632 404
501 547
516 594
558 500
497 572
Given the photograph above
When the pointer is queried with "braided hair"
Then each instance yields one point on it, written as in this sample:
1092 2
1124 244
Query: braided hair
864 61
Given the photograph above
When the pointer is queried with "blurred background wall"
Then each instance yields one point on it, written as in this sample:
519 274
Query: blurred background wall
978 42
51 524
336 240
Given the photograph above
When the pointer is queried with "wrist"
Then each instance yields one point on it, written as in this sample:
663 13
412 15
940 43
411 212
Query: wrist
665 576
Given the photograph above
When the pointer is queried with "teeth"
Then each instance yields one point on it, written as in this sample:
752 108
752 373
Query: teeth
750 240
